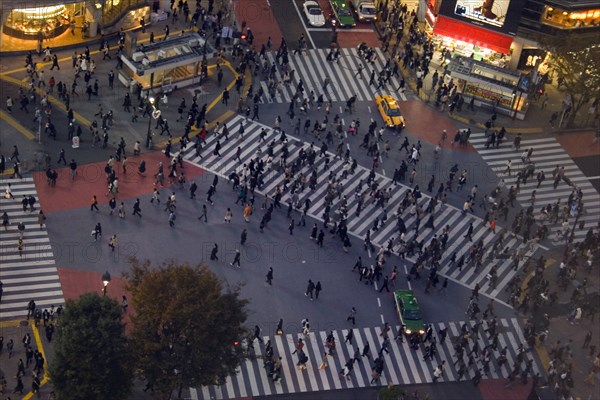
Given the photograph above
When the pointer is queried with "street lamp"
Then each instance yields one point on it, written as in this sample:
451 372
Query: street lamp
151 100
105 282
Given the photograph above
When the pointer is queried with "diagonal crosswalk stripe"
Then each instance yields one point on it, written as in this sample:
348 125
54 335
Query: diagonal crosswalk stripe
253 148
312 67
402 365
547 154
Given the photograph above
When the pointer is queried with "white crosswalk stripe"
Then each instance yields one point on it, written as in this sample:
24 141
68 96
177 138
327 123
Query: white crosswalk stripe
402 365
547 154
312 67
359 225
31 275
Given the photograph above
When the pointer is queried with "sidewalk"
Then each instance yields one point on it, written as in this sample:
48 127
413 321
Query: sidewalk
16 330
537 119
85 111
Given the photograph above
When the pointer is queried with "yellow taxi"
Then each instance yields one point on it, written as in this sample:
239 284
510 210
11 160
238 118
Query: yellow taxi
390 111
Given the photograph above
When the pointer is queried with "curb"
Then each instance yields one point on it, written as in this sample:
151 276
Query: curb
411 83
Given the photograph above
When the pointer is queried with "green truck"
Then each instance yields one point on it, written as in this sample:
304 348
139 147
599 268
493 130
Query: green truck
343 16
409 312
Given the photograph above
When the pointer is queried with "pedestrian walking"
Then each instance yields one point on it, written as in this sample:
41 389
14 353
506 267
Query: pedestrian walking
213 253
347 370
97 232
112 243
236 259
270 276
228 216
352 316
310 289
257 335
73 168
439 371
366 352
121 210
136 208
318 289
349 336
384 346
320 238
299 346
172 218
469 233
61 157
323 364
204 214
124 304
41 219
94 204
243 237
385 285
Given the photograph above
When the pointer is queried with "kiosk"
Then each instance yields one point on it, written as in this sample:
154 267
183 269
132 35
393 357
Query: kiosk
492 87
167 65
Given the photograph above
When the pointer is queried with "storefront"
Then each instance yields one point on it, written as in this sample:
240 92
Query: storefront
472 41
167 65
571 19
492 87
30 21
480 29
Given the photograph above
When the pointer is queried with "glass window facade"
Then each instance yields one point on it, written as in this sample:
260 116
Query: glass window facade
571 19
47 22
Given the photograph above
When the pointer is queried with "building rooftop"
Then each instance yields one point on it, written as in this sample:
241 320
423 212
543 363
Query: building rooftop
175 50
484 71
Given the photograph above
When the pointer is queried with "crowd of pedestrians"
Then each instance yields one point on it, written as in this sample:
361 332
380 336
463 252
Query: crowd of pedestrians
414 51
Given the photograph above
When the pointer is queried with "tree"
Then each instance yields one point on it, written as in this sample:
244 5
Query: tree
92 357
575 59
186 326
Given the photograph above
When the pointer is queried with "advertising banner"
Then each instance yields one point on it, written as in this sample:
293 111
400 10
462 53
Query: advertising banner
498 15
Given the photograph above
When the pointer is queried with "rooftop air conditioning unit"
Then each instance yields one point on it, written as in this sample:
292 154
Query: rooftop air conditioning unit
145 62
161 54
138 56
194 43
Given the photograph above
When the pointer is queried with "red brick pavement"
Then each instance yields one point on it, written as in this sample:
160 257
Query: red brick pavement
259 18
579 144
493 389
427 124
76 282
91 180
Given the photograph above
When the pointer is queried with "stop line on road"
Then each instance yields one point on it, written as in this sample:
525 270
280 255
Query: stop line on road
312 67
252 147
402 365
32 275
547 154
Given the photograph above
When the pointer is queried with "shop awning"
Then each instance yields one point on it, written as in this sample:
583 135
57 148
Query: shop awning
472 34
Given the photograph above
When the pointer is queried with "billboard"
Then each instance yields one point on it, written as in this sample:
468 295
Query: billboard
492 12
499 15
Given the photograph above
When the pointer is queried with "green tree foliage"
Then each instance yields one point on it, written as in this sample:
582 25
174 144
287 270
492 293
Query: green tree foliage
576 60
185 326
92 357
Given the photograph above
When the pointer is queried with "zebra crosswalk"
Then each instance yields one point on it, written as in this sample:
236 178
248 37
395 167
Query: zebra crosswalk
31 275
402 365
547 154
358 225
313 67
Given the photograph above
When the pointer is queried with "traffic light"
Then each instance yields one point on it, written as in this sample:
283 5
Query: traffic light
243 36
